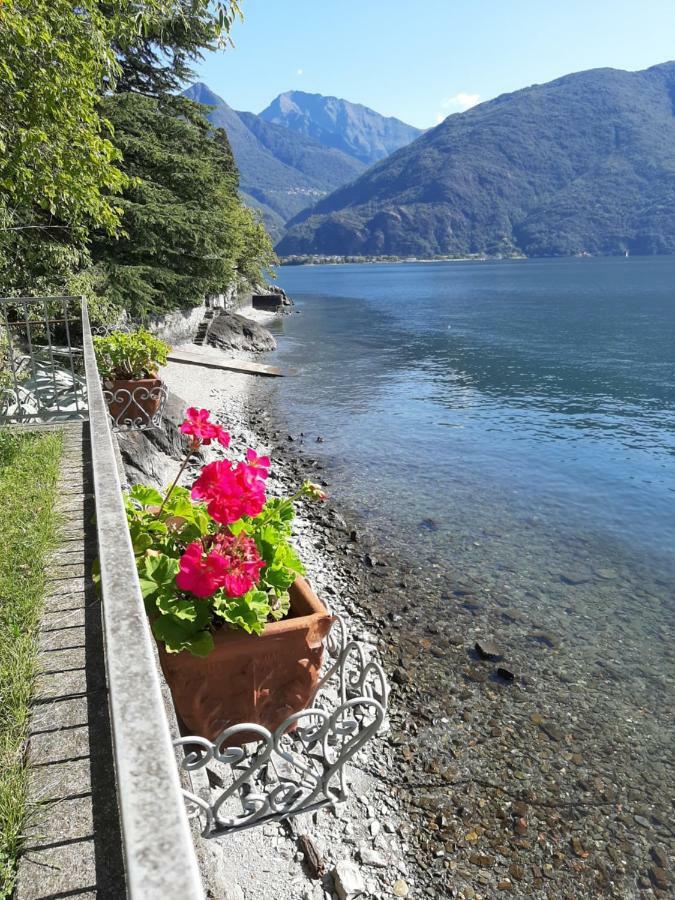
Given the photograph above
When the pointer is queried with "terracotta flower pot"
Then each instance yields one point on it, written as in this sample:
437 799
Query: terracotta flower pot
133 402
251 678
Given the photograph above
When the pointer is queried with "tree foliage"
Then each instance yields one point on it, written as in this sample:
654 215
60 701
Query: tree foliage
185 231
61 172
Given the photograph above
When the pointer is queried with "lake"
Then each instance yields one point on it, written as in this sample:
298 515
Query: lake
508 427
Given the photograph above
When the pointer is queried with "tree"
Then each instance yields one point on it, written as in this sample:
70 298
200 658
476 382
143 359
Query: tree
157 60
185 231
59 169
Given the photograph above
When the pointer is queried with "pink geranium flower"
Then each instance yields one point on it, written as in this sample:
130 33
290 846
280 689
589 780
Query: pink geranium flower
199 574
199 426
233 563
230 490
260 463
242 561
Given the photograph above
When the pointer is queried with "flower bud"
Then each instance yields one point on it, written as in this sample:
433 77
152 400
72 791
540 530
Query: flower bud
314 491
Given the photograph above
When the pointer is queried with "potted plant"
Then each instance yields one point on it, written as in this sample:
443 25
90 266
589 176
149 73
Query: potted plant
239 631
128 363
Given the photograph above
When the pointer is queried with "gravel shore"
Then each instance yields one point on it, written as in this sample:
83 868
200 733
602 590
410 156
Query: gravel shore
367 831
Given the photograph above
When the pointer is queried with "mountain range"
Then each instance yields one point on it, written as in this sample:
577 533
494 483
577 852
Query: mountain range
582 164
288 164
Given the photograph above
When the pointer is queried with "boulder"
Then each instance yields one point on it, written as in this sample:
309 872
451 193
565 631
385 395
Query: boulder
230 331
153 456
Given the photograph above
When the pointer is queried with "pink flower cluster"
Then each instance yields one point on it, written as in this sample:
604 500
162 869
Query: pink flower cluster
232 490
233 564
202 430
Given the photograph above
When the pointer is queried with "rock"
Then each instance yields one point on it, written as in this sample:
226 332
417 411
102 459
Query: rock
506 674
516 871
312 855
348 880
660 857
473 605
370 857
659 877
400 676
575 578
545 637
400 888
474 674
481 859
552 730
520 826
578 848
232 892
513 615
230 331
429 524
645 823
487 649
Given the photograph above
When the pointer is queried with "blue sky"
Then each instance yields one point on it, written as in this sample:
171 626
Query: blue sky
423 60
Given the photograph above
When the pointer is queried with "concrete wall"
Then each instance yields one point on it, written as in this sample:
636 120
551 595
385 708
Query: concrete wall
181 326
177 327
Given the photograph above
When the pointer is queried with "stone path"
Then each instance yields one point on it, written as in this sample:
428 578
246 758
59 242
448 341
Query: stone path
73 846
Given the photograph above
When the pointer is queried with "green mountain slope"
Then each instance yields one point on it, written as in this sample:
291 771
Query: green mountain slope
281 173
585 163
352 128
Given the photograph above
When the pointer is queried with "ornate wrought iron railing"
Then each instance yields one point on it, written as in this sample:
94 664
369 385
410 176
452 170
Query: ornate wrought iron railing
41 365
301 766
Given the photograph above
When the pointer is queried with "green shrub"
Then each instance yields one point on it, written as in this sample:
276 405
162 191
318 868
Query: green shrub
121 356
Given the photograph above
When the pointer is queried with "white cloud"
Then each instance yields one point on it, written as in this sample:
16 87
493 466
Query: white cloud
300 72
461 101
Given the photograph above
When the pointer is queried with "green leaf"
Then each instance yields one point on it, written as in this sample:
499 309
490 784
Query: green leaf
146 496
177 636
249 612
157 573
279 578
279 606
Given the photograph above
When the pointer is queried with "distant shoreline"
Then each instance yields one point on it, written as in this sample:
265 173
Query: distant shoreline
336 260
363 260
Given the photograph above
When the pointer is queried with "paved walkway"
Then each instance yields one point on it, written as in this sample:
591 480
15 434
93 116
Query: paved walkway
73 846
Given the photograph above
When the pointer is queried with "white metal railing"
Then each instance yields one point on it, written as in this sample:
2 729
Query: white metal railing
41 378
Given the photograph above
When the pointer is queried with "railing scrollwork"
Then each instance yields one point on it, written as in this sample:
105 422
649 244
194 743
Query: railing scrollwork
300 766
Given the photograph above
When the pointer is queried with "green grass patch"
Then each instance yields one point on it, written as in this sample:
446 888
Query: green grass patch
28 471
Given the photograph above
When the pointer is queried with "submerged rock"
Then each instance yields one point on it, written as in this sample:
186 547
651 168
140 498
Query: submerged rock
487 649
505 674
230 331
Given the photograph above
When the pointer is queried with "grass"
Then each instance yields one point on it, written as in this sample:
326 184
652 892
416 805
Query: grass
28 470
